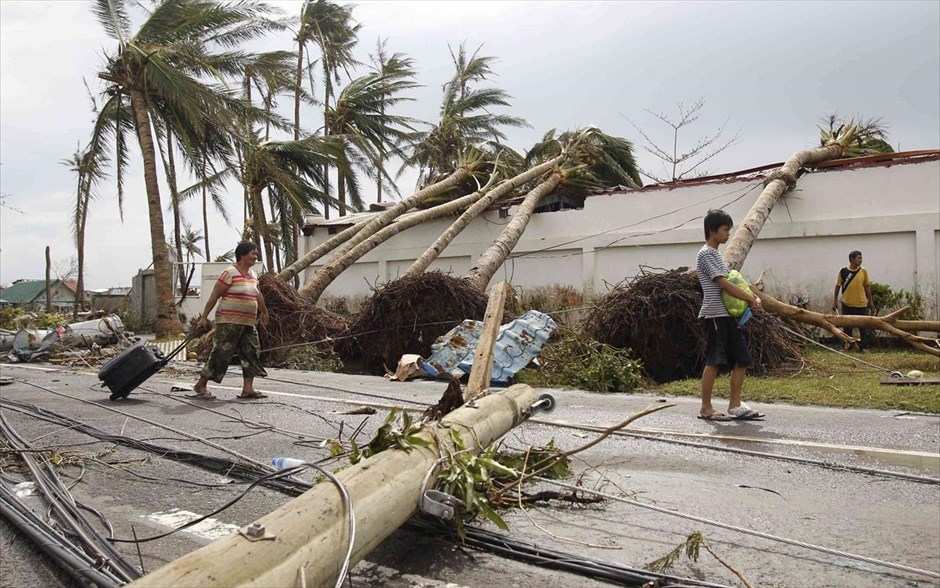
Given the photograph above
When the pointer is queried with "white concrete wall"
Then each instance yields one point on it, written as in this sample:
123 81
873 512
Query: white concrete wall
890 213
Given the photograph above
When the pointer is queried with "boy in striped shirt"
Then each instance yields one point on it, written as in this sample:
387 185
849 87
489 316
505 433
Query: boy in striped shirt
725 344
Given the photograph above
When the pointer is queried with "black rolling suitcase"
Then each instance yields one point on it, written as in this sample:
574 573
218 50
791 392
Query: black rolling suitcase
133 367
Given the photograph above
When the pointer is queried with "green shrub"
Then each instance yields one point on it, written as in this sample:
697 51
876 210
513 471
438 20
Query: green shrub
311 358
888 300
7 315
50 320
573 360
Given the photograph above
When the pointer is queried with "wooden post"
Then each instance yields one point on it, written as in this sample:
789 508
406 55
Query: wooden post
48 281
482 370
310 535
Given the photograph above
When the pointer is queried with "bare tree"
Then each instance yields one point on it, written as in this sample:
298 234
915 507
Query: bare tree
682 166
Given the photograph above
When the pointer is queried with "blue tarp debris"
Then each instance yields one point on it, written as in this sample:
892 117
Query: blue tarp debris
518 342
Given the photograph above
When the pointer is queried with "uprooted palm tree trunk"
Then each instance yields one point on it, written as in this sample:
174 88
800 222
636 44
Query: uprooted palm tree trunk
493 258
775 186
294 269
325 276
494 195
344 260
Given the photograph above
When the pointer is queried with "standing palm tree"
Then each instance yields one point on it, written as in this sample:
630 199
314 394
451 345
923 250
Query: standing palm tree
272 74
294 171
465 119
395 66
157 71
190 244
331 28
361 120
90 171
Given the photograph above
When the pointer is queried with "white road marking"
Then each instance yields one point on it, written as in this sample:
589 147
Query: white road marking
210 528
32 367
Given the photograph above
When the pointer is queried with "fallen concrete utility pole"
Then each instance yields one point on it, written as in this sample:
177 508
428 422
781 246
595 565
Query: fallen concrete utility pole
304 542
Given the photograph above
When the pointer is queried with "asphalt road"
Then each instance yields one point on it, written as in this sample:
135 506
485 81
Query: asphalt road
867 514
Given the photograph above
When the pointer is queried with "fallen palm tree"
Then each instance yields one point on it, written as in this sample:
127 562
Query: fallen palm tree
470 164
591 159
500 191
368 227
655 315
476 202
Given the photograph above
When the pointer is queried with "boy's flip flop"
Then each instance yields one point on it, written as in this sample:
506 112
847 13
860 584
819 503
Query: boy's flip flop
715 416
744 413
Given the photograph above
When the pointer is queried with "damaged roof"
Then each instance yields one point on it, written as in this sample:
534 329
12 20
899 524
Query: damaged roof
754 173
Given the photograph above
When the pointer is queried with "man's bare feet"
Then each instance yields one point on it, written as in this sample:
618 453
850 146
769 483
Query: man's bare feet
251 395
202 392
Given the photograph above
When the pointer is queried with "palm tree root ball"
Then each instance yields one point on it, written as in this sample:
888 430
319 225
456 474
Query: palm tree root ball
656 316
407 315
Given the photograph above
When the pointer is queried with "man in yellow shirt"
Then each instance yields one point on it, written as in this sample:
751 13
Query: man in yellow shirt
852 281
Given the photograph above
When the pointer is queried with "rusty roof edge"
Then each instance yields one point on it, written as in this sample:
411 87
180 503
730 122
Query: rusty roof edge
883 159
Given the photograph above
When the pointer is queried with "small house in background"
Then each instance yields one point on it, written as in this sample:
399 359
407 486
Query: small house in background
31 294
110 300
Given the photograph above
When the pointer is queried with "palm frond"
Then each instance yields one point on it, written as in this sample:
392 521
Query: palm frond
113 17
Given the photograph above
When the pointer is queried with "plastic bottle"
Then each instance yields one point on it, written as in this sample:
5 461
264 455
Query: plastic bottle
283 463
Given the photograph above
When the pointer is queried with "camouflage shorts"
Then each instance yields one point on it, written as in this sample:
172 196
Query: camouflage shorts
230 340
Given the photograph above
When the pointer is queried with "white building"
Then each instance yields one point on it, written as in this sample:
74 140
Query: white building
886 206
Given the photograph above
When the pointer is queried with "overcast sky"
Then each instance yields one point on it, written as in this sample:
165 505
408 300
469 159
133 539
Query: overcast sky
770 69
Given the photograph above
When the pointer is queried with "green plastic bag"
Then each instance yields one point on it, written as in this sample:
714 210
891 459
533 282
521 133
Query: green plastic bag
735 306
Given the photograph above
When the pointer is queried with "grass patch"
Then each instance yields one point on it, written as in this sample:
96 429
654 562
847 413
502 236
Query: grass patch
830 379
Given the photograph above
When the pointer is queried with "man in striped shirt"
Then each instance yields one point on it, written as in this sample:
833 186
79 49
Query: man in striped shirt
725 344
239 300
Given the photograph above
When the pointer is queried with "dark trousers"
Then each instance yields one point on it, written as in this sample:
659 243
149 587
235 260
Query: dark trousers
863 334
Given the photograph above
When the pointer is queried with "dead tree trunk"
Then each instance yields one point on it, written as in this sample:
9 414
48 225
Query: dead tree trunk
833 322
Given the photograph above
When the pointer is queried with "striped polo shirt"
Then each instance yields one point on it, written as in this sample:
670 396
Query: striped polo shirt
239 305
711 265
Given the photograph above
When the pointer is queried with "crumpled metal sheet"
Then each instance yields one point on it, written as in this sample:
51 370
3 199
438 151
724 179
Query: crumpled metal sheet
518 343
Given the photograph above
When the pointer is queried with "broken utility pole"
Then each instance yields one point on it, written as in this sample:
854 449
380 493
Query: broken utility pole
305 542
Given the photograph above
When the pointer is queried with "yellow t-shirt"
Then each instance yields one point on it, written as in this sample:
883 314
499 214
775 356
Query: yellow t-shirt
854 293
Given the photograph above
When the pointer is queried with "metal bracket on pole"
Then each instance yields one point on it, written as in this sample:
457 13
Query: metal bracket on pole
545 403
256 532
440 505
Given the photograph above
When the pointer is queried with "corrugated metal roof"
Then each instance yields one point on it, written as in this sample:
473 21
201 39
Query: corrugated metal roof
25 291
881 159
